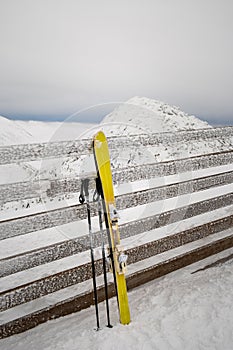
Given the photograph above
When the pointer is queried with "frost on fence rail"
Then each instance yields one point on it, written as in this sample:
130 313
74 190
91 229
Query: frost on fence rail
81 273
149 171
57 217
37 151
74 246
169 137
31 152
52 188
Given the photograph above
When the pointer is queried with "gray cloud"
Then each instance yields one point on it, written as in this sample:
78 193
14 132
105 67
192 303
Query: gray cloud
60 56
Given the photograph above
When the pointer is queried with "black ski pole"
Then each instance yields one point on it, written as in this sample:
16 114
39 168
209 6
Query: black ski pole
84 186
103 253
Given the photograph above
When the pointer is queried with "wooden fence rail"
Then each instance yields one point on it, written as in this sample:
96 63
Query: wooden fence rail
31 152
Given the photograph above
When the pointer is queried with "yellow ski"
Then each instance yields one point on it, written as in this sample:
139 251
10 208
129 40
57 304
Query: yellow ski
118 258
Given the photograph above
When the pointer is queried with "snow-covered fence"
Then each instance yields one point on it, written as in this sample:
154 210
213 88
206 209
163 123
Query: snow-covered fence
31 152
173 213
54 187
56 217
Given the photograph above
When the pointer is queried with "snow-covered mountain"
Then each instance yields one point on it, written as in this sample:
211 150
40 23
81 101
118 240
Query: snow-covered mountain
144 115
22 132
13 132
137 115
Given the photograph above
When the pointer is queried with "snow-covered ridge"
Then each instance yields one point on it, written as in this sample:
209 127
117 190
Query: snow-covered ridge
13 132
144 115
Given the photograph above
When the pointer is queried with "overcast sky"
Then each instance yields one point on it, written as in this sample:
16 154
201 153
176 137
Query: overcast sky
60 56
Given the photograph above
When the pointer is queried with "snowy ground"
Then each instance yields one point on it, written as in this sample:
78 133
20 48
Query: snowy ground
179 311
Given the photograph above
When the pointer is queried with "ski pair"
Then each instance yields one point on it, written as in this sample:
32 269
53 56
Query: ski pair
106 200
117 256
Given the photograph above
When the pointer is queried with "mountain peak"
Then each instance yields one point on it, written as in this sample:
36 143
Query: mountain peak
144 115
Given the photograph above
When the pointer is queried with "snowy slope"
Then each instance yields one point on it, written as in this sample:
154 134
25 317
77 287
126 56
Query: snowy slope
21 132
12 132
144 115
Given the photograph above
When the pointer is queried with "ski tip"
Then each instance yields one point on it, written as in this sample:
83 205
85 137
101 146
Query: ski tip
100 136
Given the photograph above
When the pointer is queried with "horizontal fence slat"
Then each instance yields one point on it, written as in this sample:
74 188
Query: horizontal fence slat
81 273
74 246
30 152
36 151
53 188
166 138
56 217
149 171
